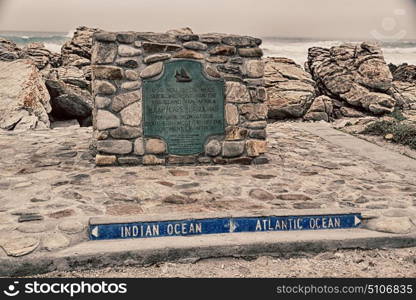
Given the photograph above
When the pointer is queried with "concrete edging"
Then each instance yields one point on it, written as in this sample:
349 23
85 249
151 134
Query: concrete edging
133 252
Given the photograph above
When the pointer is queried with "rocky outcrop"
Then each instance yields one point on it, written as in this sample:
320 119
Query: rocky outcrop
404 73
290 89
77 51
404 86
69 102
79 46
67 75
405 94
354 74
43 58
70 84
9 51
24 99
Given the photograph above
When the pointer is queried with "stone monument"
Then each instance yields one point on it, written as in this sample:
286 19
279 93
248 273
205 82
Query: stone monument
178 99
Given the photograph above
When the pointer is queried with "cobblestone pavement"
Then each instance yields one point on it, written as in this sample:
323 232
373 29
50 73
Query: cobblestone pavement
50 187
351 263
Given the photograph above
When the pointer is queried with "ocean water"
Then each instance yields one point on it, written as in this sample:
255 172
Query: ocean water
396 52
53 41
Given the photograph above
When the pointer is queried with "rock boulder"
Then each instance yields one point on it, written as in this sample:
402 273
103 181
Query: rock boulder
70 83
404 73
24 99
290 89
354 73
320 110
9 51
42 57
404 85
79 46
69 101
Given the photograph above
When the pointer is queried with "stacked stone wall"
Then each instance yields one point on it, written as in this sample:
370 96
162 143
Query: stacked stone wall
122 61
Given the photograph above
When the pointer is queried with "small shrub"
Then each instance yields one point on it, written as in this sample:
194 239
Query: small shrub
398 115
404 134
378 128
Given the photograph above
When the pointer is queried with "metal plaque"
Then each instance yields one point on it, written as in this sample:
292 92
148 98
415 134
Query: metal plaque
183 107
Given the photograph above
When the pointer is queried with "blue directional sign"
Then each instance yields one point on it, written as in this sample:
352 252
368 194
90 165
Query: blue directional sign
191 227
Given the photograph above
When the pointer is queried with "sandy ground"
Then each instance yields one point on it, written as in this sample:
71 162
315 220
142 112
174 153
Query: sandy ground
351 263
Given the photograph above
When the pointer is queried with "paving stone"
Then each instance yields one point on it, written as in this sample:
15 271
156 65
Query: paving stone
62 214
32 227
188 185
23 185
260 194
178 173
307 205
55 241
29 218
20 246
263 176
294 197
124 209
176 199
71 226
391 224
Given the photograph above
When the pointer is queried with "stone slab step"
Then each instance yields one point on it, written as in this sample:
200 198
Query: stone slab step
135 252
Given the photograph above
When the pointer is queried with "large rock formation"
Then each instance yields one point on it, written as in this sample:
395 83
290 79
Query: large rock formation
9 51
24 99
70 84
67 75
404 85
77 51
290 90
404 73
44 59
355 74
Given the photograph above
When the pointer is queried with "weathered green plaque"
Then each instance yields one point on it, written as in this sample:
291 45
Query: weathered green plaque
183 107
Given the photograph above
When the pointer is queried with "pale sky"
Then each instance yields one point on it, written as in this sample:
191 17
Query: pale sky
285 18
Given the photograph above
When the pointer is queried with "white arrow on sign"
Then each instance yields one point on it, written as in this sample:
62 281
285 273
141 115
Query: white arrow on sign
233 226
94 231
356 221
